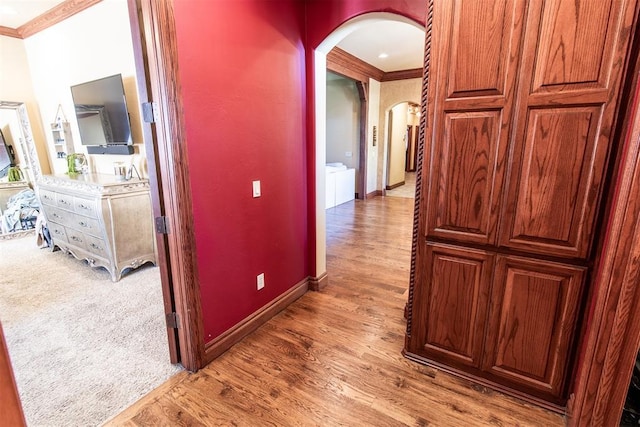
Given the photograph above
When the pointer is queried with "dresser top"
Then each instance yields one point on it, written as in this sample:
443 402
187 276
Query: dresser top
93 183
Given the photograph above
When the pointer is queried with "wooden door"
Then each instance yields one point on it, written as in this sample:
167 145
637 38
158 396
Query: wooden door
454 300
477 48
569 85
10 407
532 323
521 111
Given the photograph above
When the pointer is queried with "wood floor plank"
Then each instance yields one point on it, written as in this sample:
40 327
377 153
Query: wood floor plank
334 357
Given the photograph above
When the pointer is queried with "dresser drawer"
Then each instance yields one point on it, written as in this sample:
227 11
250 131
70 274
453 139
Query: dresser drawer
58 233
85 207
47 197
64 201
59 216
97 246
86 225
76 238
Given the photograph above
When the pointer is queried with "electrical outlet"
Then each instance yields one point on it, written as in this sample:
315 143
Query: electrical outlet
260 281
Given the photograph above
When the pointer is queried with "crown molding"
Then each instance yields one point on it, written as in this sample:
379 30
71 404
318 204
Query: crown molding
51 17
345 64
416 73
9 32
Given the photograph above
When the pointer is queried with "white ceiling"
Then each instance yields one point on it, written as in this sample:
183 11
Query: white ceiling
404 43
14 13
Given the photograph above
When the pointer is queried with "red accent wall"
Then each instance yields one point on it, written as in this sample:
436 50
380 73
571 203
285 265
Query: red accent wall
325 16
242 69
244 76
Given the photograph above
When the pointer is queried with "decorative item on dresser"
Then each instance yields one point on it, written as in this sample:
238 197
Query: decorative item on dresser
97 218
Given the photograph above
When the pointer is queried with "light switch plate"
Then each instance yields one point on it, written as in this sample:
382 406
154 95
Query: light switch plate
256 189
260 281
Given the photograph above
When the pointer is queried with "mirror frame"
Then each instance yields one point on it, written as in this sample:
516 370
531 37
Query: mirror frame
28 146
28 149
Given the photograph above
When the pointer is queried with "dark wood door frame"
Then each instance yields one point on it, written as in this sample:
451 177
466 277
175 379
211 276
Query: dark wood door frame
362 161
611 343
149 136
153 27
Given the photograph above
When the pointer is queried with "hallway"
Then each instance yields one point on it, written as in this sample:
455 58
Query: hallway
407 190
334 357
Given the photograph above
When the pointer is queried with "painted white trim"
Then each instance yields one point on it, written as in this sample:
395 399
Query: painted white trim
320 75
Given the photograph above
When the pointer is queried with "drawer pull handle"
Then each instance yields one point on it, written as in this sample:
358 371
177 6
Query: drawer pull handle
58 232
76 239
84 207
64 202
83 224
96 247
55 215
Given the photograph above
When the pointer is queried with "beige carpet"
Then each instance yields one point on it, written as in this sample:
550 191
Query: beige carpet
83 348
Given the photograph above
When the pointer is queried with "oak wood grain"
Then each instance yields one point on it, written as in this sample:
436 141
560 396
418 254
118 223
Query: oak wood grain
568 95
333 357
457 291
532 323
552 72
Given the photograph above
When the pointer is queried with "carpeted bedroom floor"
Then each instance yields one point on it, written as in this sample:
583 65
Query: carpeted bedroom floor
82 347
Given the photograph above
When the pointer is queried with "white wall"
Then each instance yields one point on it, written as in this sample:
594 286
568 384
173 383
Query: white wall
373 119
92 44
343 121
16 86
392 93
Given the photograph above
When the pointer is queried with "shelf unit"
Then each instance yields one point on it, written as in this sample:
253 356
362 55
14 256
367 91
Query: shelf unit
62 140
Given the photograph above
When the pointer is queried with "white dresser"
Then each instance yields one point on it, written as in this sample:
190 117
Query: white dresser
109 223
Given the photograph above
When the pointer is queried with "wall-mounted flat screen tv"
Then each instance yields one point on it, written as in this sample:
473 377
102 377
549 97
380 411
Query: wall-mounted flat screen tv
101 111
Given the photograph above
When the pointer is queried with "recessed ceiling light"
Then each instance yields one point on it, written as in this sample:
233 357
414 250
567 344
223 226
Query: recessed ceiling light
383 55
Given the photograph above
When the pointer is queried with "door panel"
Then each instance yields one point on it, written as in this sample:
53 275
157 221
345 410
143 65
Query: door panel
469 145
575 44
554 188
454 309
534 305
565 109
489 26
467 161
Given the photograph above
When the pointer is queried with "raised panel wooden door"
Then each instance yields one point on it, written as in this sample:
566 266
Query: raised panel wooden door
453 305
534 306
477 53
564 120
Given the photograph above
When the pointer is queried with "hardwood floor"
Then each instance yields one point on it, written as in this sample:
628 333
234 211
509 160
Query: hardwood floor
334 357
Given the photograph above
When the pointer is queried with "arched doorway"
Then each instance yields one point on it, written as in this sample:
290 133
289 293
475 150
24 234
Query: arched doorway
320 89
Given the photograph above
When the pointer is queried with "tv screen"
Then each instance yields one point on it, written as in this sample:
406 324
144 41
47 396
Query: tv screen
101 111
6 156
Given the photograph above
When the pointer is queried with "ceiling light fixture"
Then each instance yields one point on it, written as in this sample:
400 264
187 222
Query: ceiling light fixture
383 55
